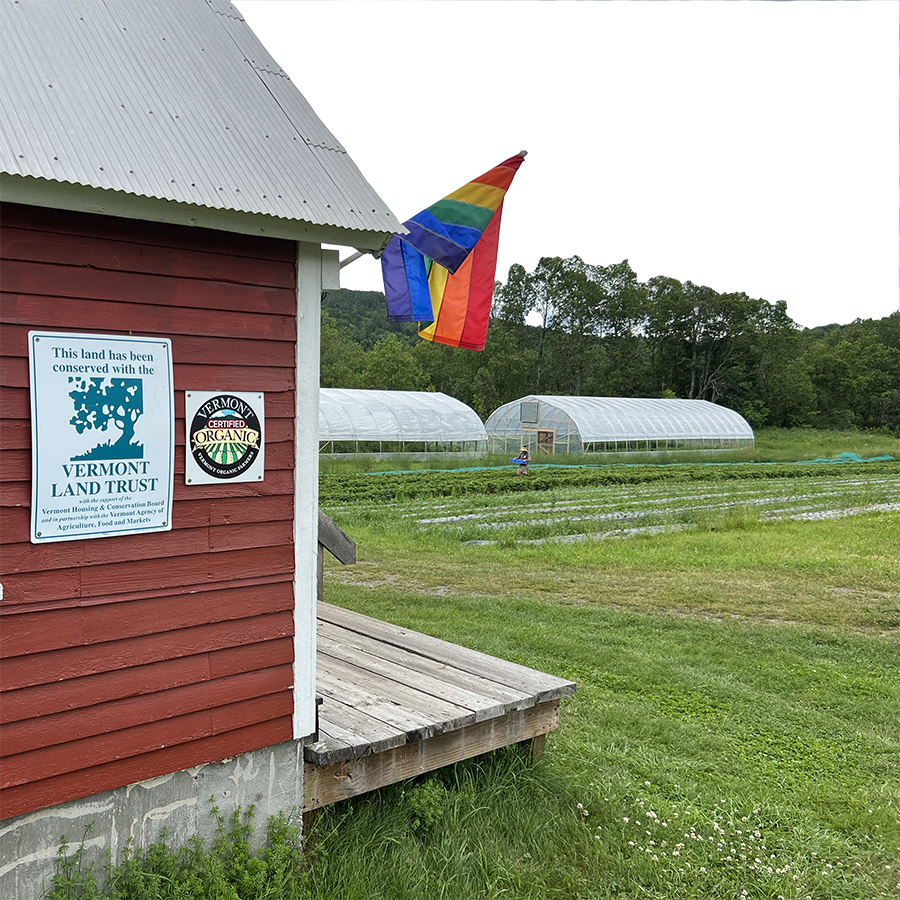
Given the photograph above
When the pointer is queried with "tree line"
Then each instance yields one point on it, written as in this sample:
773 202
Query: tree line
570 327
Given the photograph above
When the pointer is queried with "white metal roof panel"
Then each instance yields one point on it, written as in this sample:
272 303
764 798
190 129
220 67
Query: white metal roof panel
362 415
175 100
348 106
631 418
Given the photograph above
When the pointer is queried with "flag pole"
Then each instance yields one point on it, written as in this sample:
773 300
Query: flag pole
353 258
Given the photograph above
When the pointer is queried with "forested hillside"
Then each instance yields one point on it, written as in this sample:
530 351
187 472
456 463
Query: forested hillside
570 327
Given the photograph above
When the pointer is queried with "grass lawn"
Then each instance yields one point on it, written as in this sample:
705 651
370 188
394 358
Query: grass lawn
735 728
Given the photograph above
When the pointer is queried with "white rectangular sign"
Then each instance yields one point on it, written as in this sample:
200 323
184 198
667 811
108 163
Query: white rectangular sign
225 434
102 435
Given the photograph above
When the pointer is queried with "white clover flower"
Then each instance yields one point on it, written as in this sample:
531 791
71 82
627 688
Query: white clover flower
702 868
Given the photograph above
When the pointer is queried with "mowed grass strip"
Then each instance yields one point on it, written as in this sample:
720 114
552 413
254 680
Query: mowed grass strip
698 759
839 573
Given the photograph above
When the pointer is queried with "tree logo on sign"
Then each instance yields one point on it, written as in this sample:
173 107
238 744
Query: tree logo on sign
108 404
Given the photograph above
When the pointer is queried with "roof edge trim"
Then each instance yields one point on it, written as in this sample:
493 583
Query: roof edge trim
32 191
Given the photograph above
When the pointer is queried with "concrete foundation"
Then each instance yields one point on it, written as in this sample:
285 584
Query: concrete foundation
270 779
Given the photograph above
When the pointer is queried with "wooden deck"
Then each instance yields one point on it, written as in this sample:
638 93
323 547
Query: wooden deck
396 703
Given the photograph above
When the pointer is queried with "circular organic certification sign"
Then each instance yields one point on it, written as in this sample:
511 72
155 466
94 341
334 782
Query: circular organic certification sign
225 434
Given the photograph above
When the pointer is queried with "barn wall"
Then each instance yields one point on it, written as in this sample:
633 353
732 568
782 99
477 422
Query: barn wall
129 657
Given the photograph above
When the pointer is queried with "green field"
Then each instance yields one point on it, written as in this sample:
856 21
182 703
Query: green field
735 644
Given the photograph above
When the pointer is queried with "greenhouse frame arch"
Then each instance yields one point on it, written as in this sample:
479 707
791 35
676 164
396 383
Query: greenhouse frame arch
551 424
368 421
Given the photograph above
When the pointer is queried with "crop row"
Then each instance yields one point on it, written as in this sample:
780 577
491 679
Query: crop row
363 488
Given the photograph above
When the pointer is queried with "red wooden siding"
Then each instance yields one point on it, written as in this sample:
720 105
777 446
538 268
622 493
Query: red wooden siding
128 657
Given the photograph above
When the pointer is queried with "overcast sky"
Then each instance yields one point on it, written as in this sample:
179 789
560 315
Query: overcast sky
733 145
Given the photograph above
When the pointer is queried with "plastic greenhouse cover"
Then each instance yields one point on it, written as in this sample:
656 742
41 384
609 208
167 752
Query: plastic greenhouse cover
628 418
361 415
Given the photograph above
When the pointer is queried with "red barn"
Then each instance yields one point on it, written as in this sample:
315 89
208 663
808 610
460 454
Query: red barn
163 182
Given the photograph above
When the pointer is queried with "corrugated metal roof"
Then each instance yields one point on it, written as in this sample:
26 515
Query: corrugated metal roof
170 99
348 106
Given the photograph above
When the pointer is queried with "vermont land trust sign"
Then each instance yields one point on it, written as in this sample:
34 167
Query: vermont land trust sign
102 435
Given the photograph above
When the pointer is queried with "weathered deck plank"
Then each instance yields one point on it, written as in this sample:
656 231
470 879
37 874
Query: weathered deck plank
444 688
419 714
509 698
386 690
541 685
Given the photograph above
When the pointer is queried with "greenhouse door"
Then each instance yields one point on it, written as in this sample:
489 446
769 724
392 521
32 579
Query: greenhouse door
545 441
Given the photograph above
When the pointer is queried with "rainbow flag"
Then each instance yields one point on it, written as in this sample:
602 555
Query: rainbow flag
442 272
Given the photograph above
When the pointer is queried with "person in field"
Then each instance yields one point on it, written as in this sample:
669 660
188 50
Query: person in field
524 456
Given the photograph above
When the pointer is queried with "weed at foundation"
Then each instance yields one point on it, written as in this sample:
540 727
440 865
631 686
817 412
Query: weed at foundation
227 870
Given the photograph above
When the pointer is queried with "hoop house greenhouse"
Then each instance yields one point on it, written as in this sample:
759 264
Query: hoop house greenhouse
359 421
547 424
